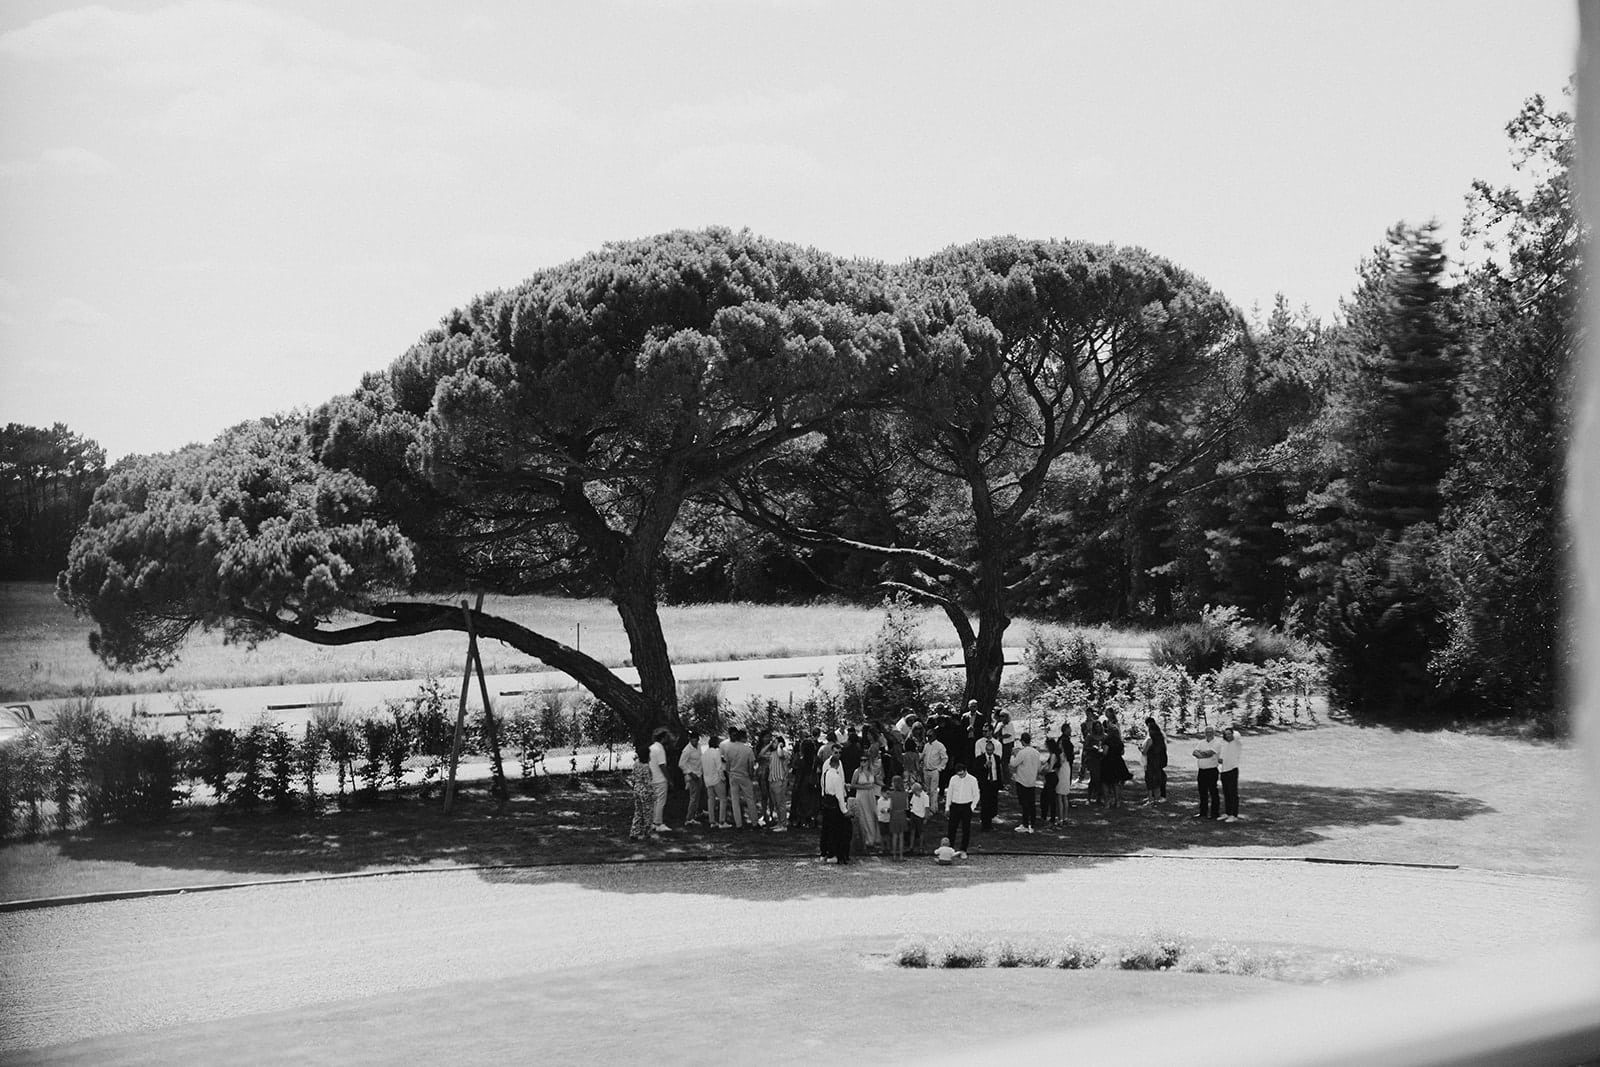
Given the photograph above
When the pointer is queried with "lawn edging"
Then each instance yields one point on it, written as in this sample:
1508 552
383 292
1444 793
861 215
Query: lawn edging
106 896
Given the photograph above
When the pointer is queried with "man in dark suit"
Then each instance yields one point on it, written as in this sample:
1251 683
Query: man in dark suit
989 771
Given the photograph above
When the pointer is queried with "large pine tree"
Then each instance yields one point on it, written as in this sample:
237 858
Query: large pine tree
1413 362
1384 620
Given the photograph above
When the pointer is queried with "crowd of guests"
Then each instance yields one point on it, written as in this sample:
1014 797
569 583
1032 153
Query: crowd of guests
873 788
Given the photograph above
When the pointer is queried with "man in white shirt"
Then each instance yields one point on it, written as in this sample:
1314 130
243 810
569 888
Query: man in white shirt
658 778
934 759
1025 764
1007 735
963 795
835 820
1228 754
689 763
712 771
1206 759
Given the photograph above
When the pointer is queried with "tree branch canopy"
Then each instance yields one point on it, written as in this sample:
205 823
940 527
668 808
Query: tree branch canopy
250 527
1021 353
541 438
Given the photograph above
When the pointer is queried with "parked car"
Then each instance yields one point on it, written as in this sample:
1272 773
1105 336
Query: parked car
15 722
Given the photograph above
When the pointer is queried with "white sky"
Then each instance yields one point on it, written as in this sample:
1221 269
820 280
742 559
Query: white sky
212 211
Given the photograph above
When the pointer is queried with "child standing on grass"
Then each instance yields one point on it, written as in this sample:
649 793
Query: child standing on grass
883 816
916 811
899 803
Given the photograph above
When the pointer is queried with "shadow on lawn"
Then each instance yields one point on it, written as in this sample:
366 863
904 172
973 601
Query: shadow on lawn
586 824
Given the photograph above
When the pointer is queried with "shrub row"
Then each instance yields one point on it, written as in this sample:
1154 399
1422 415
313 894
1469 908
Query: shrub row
89 767
1069 677
1147 952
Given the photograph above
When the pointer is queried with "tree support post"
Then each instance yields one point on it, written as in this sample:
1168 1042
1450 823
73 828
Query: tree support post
490 727
461 718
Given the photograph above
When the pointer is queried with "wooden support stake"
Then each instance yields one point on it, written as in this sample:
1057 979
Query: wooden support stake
461 718
490 728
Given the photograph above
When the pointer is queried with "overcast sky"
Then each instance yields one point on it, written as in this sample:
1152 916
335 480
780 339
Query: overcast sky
213 211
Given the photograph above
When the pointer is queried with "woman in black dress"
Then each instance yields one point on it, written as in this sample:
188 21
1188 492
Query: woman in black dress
1154 750
807 785
1094 747
1113 767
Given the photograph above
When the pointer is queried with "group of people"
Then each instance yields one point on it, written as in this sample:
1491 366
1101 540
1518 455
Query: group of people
873 788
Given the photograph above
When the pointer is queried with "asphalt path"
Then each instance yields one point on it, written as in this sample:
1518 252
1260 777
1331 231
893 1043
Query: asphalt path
98 982
790 681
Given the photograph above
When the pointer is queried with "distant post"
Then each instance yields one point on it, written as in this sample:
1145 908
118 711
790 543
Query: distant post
490 728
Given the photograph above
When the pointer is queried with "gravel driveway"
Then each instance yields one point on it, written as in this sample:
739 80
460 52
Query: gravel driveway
80 971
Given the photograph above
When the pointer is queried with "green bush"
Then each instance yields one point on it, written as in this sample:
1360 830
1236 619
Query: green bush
959 952
1079 955
1194 648
1007 953
27 768
556 723
281 767
893 676
126 774
912 951
1267 645
377 734
252 756
344 746
1151 954
211 759
700 703
308 760
1056 661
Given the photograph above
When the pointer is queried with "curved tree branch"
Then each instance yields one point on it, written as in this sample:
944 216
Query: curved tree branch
412 618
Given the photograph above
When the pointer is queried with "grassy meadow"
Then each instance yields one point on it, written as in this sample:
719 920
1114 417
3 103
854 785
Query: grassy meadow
44 649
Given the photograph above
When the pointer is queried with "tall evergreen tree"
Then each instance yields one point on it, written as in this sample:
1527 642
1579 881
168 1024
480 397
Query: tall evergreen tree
1414 363
1504 539
1383 622
1249 551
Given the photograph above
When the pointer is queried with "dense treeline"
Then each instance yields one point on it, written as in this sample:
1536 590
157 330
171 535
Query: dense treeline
47 478
1081 431
1389 484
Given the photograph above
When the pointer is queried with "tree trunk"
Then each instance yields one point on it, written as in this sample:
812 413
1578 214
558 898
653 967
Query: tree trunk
985 655
658 688
985 667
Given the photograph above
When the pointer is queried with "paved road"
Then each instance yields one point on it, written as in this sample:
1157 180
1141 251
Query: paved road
84 971
785 680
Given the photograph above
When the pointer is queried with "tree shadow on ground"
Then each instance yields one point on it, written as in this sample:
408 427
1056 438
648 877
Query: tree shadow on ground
1283 821
578 830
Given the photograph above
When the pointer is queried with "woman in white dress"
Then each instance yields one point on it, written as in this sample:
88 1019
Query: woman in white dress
865 785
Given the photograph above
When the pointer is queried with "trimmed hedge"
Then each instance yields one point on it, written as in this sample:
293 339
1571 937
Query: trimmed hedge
1144 952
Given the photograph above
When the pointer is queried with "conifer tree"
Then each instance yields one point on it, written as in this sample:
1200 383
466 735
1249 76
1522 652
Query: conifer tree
1414 363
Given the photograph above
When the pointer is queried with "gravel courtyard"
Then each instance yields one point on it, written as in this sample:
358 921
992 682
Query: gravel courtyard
247 974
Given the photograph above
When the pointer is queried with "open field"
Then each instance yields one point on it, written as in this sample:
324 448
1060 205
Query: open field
44 649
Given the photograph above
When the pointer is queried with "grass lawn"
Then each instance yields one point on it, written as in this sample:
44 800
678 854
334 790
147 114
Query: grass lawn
1336 792
44 649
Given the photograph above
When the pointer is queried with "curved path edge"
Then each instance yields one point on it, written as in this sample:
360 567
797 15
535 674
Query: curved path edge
35 903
